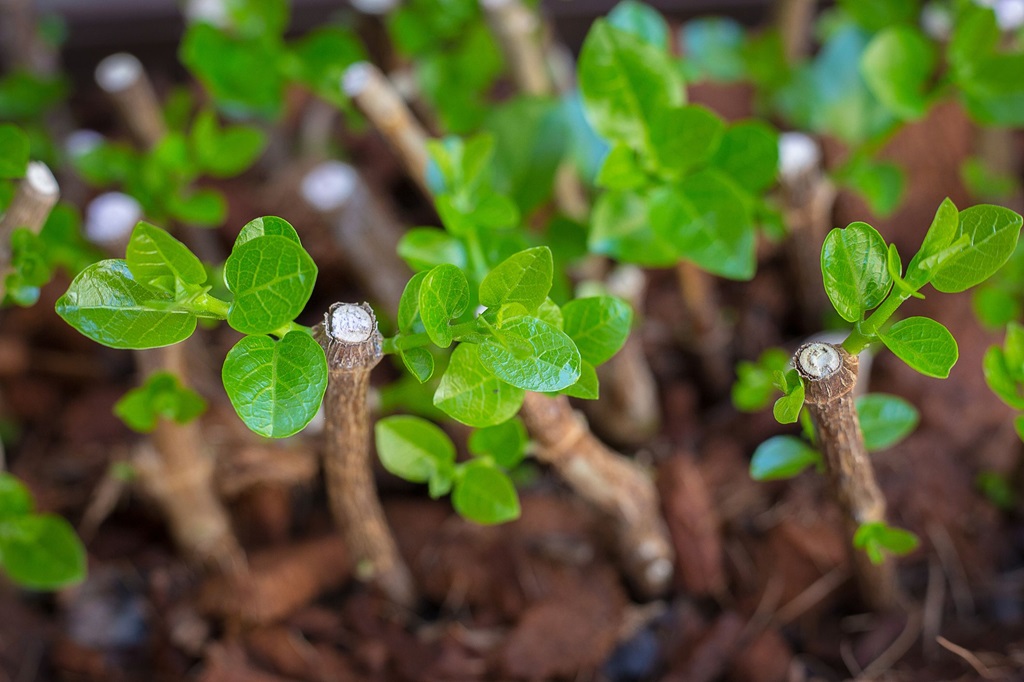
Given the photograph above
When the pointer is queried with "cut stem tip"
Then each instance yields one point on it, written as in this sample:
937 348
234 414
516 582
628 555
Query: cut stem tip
118 72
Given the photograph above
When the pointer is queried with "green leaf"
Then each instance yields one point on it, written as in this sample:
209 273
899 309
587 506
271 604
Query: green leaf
897 66
992 233
621 170
941 234
41 552
484 494
875 15
708 221
409 303
754 388
276 387
749 154
16 500
713 50
853 265
224 153
924 344
266 226
523 278
471 394
997 489
426 247
241 73
531 354
444 295
642 21
885 420
203 207
106 304
685 138
878 539
598 325
271 277
159 261
621 228
162 396
506 443
1004 376
995 307
624 82
419 362
413 448
14 151
319 59
787 408
588 386
880 183
782 457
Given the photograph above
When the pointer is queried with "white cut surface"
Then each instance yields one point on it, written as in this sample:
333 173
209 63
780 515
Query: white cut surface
357 78
118 71
81 142
798 154
111 217
329 185
39 176
351 323
819 360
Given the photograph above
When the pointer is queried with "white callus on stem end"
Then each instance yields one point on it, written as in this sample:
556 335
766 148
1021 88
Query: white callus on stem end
350 323
818 360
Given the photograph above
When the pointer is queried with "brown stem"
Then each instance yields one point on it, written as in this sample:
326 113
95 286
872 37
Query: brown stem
177 473
19 34
122 77
830 374
808 197
364 231
707 336
374 95
518 32
35 197
608 481
793 19
352 342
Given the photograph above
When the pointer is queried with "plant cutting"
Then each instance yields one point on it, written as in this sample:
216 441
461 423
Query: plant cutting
866 283
480 223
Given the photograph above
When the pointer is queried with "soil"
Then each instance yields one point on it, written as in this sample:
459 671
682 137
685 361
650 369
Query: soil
763 590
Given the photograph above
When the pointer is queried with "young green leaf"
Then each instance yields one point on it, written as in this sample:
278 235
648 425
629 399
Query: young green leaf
276 387
426 247
588 386
754 387
413 448
621 228
484 494
782 457
531 354
506 443
878 539
885 420
419 362
992 233
203 207
880 183
598 325
853 265
41 552
621 169
224 153
161 397
749 153
624 81
523 278
642 21
1003 374
14 150
159 261
685 138
471 394
15 499
106 304
924 344
271 277
940 235
897 66
787 408
443 296
266 226
409 303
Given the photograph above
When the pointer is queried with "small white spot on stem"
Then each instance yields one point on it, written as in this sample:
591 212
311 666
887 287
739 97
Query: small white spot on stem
329 185
118 72
819 360
39 176
350 323
798 154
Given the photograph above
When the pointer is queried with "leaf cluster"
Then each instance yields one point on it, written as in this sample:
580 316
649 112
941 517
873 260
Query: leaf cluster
680 184
37 551
418 451
162 396
1004 371
156 295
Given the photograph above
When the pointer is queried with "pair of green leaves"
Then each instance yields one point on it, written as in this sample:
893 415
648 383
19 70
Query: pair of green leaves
155 296
1004 371
162 396
878 539
521 340
961 249
418 451
37 551
885 420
